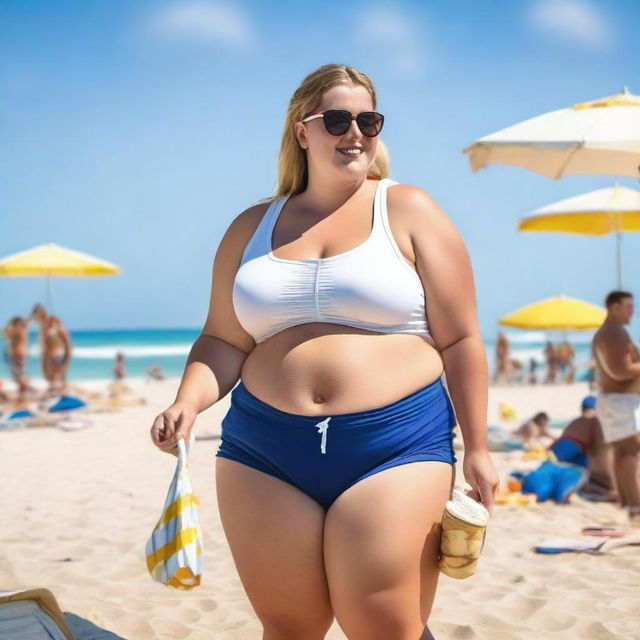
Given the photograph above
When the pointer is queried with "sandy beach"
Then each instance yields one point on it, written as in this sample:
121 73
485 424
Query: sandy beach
78 506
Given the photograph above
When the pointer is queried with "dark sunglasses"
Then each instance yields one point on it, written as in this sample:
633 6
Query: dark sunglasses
338 121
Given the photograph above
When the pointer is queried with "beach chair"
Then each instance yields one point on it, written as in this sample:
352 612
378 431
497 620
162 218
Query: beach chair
32 614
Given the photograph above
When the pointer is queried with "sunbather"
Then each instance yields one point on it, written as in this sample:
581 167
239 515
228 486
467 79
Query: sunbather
154 372
580 459
533 430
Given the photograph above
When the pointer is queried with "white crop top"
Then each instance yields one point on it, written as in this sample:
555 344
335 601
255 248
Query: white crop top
371 286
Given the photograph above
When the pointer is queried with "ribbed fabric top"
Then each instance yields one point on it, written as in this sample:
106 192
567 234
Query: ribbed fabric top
371 286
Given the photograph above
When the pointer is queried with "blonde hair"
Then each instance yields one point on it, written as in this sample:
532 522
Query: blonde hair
292 161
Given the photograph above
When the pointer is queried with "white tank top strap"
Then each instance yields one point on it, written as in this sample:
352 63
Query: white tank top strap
258 242
271 217
384 221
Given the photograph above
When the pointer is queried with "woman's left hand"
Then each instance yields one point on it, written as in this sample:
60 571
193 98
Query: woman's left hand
480 473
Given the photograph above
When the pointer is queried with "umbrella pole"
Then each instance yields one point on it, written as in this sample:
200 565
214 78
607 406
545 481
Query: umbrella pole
619 258
49 309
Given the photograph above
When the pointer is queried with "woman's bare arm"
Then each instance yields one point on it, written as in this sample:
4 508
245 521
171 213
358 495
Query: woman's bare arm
443 264
216 357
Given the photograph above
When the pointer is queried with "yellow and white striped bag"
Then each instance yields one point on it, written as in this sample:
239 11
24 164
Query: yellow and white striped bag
174 550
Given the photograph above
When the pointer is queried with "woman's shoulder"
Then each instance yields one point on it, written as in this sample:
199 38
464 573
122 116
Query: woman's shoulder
412 200
248 220
414 210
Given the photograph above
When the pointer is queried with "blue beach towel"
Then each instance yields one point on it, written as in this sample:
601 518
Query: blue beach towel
24 413
67 403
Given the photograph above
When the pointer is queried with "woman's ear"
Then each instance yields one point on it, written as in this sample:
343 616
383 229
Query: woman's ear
301 135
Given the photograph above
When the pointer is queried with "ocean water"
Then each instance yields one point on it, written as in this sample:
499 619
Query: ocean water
94 351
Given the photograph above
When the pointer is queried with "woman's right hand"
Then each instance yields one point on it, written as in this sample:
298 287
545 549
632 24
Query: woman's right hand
173 424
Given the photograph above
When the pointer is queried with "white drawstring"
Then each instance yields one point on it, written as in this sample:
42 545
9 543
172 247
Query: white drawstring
322 428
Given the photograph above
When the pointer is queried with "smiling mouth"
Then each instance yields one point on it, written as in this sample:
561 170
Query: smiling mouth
351 153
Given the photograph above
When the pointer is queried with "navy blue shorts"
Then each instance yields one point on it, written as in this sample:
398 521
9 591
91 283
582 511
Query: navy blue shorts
325 455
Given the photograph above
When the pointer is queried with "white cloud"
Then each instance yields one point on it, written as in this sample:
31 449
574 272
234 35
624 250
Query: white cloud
572 19
391 33
201 21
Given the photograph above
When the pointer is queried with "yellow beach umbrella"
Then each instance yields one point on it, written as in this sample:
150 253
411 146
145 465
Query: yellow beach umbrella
53 260
612 210
597 137
559 313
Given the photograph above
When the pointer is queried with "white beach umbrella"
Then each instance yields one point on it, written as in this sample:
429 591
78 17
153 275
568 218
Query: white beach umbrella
612 210
597 137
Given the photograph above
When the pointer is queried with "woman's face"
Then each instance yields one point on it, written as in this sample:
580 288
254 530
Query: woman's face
327 154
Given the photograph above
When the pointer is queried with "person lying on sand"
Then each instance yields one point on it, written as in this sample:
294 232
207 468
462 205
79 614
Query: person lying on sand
117 395
579 460
154 372
533 430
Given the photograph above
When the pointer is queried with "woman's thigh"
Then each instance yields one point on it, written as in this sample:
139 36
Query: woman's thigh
275 533
381 545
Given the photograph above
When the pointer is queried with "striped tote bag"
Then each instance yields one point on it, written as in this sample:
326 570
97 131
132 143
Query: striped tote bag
174 550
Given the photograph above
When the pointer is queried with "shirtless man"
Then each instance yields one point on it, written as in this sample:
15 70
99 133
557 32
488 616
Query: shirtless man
17 334
618 404
56 348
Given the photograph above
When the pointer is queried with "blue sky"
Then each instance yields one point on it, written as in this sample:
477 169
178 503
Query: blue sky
136 131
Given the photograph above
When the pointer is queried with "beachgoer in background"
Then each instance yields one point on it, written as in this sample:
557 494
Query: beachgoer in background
154 372
533 376
618 402
120 367
565 353
533 430
17 352
589 375
576 462
315 439
59 349
56 348
601 485
502 370
516 372
581 437
552 363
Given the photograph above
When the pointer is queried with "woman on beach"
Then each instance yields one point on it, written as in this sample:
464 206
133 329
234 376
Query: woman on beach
336 458
56 348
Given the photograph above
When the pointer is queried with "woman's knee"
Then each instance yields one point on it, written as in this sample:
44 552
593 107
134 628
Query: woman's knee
384 616
285 626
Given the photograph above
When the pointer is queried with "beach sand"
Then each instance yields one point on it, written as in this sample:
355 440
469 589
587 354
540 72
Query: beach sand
78 506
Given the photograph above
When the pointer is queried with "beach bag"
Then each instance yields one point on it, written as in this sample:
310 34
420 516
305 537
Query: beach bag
174 550
464 525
